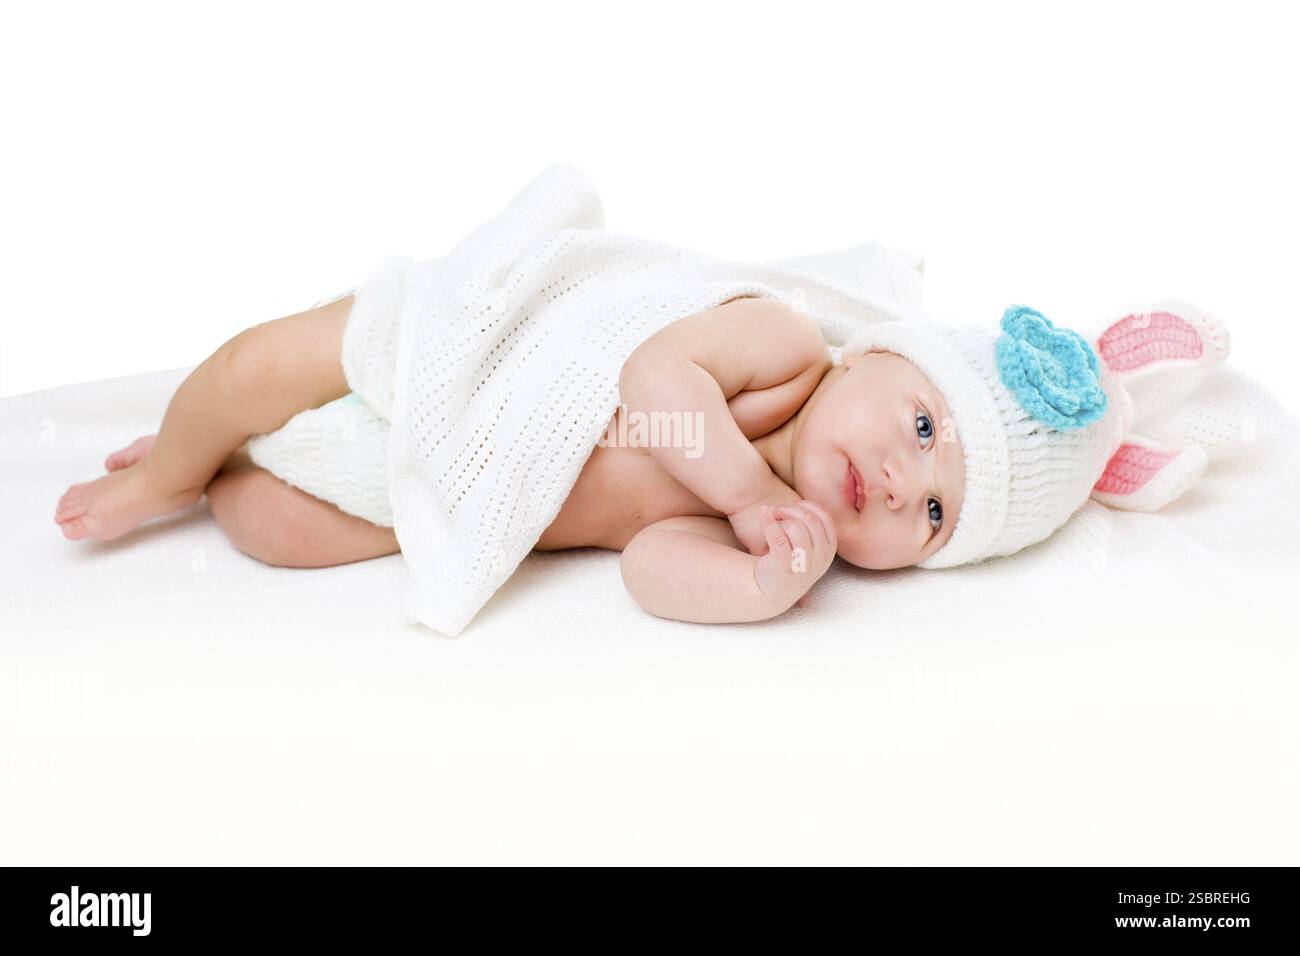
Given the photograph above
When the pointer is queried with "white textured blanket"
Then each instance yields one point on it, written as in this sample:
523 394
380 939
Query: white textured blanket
488 375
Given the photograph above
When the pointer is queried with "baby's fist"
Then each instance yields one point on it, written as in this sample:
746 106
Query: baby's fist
801 545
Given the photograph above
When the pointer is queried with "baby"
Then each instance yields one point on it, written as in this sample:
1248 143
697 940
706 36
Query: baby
914 444
800 458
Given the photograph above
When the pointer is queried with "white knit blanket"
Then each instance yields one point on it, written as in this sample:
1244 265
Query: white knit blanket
483 380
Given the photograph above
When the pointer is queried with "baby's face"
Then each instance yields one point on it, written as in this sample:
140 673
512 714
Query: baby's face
880 452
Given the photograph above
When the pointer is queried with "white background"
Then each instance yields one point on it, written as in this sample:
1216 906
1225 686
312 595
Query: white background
175 173
172 174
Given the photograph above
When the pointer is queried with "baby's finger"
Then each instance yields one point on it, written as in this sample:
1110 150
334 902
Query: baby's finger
795 512
824 518
820 539
795 526
776 538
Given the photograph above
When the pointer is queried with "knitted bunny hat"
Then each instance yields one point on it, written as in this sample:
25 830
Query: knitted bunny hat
1044 417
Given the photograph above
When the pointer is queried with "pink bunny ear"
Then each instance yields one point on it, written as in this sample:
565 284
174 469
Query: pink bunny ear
1165 334
1144 475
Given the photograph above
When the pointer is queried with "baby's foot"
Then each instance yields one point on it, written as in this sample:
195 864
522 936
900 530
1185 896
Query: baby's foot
130 454
110 506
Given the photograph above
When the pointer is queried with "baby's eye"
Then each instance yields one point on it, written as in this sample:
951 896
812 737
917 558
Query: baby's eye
924 428
936 513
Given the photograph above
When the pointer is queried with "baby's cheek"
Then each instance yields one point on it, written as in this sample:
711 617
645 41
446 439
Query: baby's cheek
876 555
855 552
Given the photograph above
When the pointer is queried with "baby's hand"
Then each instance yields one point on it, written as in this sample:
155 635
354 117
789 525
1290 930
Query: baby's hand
746 524
801 545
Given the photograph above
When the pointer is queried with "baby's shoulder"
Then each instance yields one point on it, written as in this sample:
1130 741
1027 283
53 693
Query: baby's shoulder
747 342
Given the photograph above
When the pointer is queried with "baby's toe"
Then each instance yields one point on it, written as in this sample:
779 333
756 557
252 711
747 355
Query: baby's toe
120 458
75 529
125 457
72 504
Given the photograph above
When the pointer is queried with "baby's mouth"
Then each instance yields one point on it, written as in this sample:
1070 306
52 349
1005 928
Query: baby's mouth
853 491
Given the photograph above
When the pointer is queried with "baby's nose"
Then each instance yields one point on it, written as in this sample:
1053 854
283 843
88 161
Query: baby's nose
901 486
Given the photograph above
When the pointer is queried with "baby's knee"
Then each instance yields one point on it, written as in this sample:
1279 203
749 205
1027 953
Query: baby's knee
246 363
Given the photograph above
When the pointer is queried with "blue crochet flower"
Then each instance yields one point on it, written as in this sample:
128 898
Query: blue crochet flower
1052 372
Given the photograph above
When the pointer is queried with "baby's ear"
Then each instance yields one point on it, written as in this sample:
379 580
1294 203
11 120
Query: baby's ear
1169 334
1144 475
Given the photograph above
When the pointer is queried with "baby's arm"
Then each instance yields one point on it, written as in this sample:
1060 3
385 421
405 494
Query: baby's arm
697 364
691 568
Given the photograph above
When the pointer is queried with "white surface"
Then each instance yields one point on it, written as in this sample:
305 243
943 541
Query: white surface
1122 694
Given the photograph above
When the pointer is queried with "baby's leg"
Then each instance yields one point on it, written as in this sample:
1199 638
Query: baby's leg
253 384
271 520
